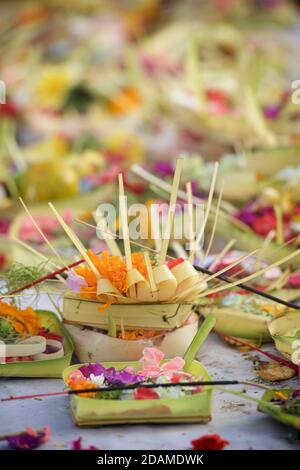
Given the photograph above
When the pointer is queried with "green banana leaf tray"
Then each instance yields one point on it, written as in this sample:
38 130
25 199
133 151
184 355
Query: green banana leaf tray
233 322
96 412
274 410
51 368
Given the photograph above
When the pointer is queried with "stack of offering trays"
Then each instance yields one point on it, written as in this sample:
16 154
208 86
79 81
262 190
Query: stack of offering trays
124 303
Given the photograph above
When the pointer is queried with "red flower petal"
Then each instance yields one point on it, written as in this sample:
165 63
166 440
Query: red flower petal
174 262
209 442
9 110
294 280
144 393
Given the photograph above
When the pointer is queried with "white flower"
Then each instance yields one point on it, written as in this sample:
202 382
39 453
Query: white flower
97 379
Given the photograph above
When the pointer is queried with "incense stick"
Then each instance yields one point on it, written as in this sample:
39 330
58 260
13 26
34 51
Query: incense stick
225 279
255 348
258 273
198 383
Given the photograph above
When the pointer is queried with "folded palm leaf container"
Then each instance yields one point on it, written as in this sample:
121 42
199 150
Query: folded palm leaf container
161 316
239 324
43 368
245 317
285 332
96 346
96 412
270 408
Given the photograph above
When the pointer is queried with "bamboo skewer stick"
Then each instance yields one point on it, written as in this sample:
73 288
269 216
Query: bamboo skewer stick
279 224
269 238
40 255
214 224
150 272
280 282
179 250
222 253
154 181
171 212
189 194
211 275
253 276
77 243
109 238
124 223
208 206
155 227
42 233
216 275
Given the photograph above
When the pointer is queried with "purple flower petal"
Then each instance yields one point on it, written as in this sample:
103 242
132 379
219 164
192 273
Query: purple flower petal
96 369
76 445
28 440
112 375
121 377
164 168
272 112
75 282
294 280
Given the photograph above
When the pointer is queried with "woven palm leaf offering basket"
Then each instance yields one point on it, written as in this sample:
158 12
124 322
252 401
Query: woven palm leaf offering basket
151 390
144 406
116 306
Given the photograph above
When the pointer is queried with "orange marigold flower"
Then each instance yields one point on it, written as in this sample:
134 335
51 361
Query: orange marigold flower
137 334
24 321
138 261
109 267
80 385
